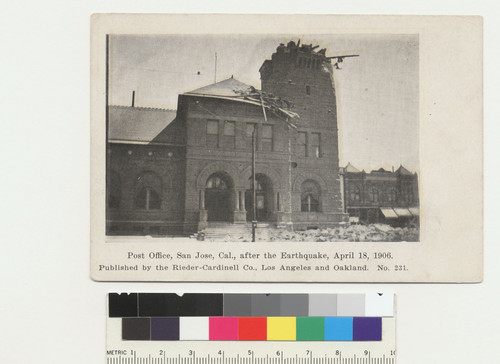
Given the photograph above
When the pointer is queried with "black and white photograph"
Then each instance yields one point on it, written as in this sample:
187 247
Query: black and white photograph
246 149
244 138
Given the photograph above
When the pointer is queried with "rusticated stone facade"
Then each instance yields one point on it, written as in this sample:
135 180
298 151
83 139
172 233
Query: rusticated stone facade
225 152
178 176
305 78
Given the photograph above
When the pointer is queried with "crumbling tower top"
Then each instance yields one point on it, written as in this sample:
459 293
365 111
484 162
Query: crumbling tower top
296 55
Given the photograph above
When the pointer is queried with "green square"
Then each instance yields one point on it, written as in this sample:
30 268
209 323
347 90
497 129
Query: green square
310 328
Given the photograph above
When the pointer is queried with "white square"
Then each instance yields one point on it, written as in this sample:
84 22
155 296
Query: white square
193 328
379 304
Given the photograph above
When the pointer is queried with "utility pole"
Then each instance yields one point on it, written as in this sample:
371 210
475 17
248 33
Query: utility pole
254 192
254 147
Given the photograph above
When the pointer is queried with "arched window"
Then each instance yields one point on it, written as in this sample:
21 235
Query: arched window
309 204
373 194
148 189
147 198
216 182
113 190
354 193
310 196
258 185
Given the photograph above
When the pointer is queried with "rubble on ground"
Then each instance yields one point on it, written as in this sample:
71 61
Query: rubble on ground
346 233
372 232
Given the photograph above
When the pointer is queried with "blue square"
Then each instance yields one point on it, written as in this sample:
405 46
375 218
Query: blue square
338 328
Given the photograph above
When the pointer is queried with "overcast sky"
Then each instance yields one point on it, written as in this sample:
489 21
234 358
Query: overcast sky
377 92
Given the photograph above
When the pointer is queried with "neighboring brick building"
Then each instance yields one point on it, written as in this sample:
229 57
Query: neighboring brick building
145 178
173 174
381 196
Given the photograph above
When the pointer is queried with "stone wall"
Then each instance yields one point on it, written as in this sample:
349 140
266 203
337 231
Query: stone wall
233 159
306 79
127 164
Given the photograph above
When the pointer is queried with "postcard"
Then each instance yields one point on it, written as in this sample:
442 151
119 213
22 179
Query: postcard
286 148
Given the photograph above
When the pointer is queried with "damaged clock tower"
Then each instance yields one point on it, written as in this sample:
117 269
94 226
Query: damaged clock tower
304 77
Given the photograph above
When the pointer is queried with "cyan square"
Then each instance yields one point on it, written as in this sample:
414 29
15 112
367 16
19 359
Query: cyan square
338 328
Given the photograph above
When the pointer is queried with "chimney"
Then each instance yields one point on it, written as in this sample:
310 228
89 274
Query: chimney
133 98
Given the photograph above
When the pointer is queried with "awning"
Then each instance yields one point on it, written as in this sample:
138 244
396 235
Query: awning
415 211
402 212
388 213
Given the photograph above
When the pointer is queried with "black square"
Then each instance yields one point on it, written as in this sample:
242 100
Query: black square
158 304
122 305
136 328
203 304
170 304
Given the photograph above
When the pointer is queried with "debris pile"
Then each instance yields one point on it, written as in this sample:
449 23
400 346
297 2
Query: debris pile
373 232
345 233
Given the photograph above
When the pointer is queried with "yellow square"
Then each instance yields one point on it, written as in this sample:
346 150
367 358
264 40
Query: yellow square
281 328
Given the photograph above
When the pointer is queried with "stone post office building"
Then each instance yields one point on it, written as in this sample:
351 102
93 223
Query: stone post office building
179 171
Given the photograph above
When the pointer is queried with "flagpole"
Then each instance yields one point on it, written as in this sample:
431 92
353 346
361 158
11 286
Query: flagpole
215 68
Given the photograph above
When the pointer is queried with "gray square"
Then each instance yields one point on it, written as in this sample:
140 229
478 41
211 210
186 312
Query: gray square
294 305
351 305
323 305
266 304
237 305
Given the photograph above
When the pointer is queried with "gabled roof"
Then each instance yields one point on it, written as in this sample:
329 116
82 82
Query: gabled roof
403 170
351 169
227 88
380 170
137 124
234 90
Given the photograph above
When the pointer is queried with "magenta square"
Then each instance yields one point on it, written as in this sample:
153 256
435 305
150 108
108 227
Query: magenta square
223 328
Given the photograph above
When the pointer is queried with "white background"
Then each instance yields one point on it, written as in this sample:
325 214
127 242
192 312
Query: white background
51 312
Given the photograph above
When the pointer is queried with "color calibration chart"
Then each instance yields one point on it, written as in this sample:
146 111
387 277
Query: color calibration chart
212 328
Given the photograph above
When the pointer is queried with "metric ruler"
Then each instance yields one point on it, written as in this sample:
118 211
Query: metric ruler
149 332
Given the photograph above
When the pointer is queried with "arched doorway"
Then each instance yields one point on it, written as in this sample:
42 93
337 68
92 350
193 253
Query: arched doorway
263 198
218 197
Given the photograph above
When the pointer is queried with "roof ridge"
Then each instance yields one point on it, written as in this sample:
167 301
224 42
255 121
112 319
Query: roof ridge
142 107
351 169
403 170
226 87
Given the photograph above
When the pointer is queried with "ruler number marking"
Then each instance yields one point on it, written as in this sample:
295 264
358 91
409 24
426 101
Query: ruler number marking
248 357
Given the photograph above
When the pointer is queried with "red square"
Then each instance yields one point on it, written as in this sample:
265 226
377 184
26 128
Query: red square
252 328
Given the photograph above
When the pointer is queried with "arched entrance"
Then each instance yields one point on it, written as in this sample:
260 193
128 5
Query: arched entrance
218 197
263 198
